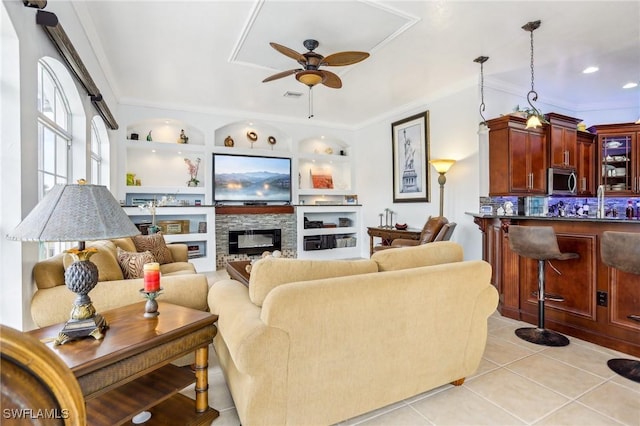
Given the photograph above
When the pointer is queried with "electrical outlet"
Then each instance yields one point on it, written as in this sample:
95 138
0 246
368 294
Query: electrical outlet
602 298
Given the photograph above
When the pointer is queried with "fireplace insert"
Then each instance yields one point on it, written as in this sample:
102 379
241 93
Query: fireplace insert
254 241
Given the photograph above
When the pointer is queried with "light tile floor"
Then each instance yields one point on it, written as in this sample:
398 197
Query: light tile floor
517 383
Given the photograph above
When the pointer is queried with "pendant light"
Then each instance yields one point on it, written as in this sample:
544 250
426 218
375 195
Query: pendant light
535 119
481 60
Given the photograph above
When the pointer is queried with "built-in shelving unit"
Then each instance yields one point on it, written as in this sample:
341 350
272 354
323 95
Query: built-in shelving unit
327 227
157 171
328 232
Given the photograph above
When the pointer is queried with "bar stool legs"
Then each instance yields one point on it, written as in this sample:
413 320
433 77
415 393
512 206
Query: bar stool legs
621 250
539 335
540 243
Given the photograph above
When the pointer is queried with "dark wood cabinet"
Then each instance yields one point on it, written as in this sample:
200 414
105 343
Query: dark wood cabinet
619 158
517 158
601 304
586 170
562 135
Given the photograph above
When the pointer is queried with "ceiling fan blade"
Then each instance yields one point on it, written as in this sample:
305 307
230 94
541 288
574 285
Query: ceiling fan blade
344 58
281 74
331 80
288 52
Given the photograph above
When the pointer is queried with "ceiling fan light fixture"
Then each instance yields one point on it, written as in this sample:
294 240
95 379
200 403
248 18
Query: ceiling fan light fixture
310 77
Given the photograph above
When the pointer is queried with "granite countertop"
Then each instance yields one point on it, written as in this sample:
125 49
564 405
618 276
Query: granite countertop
561 219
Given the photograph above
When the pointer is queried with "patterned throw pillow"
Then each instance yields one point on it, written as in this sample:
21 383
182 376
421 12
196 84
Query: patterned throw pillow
132 263
156 245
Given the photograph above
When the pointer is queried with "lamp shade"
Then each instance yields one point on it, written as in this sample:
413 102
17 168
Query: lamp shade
75 212
442 165
533 122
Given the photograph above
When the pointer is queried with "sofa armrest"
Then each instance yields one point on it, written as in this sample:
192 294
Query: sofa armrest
179 252
251 343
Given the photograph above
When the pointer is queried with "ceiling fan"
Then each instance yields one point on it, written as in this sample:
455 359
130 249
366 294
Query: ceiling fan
310 74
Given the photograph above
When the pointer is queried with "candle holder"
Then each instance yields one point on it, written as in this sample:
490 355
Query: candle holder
151 307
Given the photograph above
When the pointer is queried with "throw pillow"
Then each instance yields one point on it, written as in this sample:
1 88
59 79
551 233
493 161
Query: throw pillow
132 263
104 259
156 245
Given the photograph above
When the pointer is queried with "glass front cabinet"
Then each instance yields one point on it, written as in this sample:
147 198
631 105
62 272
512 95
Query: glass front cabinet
619 154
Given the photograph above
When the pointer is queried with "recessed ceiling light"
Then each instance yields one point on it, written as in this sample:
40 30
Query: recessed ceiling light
290 94
630 85
590 70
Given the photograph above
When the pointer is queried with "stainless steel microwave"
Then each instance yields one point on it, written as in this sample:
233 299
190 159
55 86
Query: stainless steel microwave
561 182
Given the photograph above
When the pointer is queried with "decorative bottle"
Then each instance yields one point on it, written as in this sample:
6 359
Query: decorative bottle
629 210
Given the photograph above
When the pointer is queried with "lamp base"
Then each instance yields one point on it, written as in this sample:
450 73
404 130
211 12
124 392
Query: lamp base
77 329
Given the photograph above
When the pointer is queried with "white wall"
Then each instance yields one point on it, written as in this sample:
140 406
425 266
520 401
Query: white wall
26 44
453 134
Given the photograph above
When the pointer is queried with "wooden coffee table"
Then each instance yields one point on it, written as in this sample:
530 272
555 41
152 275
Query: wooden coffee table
237 270
129 370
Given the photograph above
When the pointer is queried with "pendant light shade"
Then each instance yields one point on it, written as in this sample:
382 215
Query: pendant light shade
535 118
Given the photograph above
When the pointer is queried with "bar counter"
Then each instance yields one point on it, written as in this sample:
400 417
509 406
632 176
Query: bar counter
599 302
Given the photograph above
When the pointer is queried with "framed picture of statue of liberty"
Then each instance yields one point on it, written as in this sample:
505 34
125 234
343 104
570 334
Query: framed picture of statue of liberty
410 139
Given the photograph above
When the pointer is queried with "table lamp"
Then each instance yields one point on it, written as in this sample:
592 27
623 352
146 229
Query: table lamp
77 212
442 166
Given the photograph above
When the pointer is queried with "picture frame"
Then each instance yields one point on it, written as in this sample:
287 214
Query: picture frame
410 157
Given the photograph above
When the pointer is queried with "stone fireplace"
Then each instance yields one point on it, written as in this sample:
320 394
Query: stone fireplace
245 232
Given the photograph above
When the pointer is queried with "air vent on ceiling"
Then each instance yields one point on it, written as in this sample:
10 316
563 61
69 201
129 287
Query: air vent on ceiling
290 94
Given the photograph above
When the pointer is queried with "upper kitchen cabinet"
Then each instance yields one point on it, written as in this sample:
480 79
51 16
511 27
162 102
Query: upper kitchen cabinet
517 157
587 157
619 157
562 135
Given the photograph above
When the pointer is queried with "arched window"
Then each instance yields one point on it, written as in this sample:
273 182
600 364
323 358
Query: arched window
99 152
54 135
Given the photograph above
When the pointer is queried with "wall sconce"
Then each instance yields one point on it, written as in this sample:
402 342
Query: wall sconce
481 60
442 166
535 119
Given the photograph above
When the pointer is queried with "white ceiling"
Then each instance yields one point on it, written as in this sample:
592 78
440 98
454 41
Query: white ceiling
213 55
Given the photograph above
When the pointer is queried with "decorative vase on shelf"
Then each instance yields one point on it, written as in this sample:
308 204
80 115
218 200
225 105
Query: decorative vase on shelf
193 183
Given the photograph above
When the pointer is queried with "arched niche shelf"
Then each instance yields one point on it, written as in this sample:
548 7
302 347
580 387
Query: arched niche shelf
165 130
252 134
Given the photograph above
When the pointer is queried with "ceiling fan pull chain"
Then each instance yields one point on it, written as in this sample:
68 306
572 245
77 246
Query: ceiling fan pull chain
310 102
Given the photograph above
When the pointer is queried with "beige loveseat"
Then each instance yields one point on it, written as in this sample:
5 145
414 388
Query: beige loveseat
318 342
52 300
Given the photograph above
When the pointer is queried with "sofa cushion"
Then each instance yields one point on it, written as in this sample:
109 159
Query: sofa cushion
125 244
422 255
155 244
269 273
132 263
105 259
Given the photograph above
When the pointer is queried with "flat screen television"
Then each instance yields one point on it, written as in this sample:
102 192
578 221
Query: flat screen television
251 179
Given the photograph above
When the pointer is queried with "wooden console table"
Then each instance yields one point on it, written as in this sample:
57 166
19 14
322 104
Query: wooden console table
129 370
389 234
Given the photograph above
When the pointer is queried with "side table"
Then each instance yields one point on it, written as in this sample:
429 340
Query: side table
129 370
237 270
389 234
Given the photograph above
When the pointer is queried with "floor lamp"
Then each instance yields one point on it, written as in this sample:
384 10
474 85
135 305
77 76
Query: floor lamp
442 166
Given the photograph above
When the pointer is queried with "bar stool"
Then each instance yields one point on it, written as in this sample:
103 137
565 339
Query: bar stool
540 243
621 250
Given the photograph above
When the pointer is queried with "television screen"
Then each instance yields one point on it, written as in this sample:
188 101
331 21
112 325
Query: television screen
251 179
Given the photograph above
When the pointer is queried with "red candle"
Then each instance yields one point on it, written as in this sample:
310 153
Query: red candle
151 277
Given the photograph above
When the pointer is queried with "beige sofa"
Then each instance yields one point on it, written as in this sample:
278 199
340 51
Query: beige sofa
52 300
318 342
